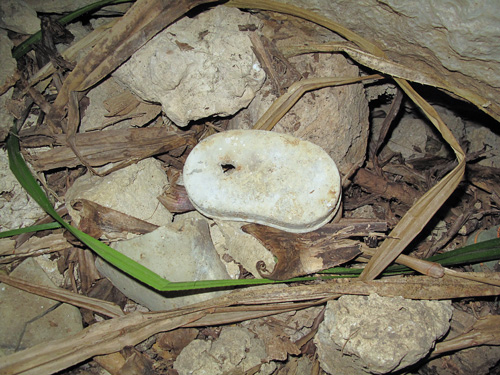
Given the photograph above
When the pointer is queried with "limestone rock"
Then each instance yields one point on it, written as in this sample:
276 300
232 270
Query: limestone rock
334 118
235 351
17 208
178 252
109 92
131 190
378 334
197 67
28 319
456 40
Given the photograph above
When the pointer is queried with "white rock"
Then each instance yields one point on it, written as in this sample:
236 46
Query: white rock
379 334
178 252
131 190
235 351
17 208
263 177
198 67
97 116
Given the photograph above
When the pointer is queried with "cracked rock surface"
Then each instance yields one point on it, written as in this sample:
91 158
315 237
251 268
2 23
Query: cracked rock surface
379 334
236 349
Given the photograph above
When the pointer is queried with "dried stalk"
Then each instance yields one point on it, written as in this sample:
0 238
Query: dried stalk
283 104
112 335
486 331
103 307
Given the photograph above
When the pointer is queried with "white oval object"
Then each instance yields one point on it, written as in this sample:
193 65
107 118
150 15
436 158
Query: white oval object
263 177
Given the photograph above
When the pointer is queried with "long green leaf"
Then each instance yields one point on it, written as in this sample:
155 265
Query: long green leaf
23 174
470 254
33 228
484 251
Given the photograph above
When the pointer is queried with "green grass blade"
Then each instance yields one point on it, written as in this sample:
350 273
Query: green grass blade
117 259
33 228
28 182
470 254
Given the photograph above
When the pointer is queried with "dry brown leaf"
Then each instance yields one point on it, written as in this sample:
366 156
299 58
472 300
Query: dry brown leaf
286 101
97 220
36 246
112 335
486 331
99 148
301 254
383 65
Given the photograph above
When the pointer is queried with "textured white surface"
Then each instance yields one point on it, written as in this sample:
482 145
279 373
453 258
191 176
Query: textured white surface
378 335
263 177
131 190
17 208
198 67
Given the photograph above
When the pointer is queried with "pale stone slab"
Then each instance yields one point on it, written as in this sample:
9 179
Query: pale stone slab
131 190
28 319
179 252
378 335
263 177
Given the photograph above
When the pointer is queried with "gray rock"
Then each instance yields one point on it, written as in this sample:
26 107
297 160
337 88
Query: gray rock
236 351
17 16
458 40
28 319
9 65
481 136
198 67
379 334
178 252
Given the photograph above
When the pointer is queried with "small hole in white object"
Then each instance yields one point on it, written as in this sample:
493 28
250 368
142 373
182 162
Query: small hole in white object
227 167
